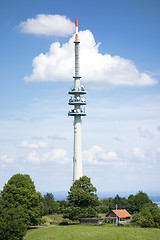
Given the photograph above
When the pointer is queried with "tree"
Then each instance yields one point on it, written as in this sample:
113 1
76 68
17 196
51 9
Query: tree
50 206
82 200
148 216
121 202
12 224
63 204
106 205
135 203
20 192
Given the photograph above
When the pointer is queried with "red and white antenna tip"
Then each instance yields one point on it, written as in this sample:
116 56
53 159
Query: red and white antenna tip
76 38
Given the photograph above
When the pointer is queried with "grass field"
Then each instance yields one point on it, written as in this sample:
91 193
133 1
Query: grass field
83 232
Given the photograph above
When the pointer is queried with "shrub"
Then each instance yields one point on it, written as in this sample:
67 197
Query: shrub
12 224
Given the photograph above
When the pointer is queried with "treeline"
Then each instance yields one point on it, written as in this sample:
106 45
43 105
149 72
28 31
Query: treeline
132 204
144 212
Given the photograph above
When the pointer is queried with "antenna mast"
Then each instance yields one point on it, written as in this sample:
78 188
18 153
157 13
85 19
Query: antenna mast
78 101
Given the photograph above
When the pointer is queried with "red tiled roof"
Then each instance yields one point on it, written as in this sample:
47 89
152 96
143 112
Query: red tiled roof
122 213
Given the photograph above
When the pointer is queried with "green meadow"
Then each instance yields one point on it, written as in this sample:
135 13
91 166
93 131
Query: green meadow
88 232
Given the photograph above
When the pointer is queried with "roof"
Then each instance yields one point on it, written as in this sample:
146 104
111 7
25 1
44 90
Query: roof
122 213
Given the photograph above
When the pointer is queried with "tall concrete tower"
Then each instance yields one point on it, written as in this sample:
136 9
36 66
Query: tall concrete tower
78 101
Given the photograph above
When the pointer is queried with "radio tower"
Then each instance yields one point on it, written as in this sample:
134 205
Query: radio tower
78 101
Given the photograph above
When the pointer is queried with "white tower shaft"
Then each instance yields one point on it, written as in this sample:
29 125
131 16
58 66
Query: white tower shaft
77 151
77 101
77 158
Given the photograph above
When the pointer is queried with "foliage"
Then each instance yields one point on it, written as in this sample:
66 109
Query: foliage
54 219
20 191
135 203
76 213
145 213
62 206
82 200
106 205
105 232
50 205
148 216
12 224
121 202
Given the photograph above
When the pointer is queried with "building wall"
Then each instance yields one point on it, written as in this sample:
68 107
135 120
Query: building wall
111 214
94 221
128 219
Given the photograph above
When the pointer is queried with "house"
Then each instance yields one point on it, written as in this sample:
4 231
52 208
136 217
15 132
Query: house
119 214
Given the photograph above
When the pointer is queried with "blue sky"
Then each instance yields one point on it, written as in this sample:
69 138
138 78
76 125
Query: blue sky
119 65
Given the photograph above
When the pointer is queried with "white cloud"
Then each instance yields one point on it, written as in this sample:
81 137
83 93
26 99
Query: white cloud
50 25
33 145
98 155
7 159
94 154
139 153
56 155
112 156
136 158
32 157
97 70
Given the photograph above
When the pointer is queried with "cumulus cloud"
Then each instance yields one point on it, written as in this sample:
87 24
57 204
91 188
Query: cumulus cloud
97 70
144 159
7 159
33 157
136 158
139 153
98 155
56 155
40 144
49 25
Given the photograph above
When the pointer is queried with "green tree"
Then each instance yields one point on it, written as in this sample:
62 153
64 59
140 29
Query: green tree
12 224
106 205
20 191
82 200
50 205
148 216
121 202
135 203
63 204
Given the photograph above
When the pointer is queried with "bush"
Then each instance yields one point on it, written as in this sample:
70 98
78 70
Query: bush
12 224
